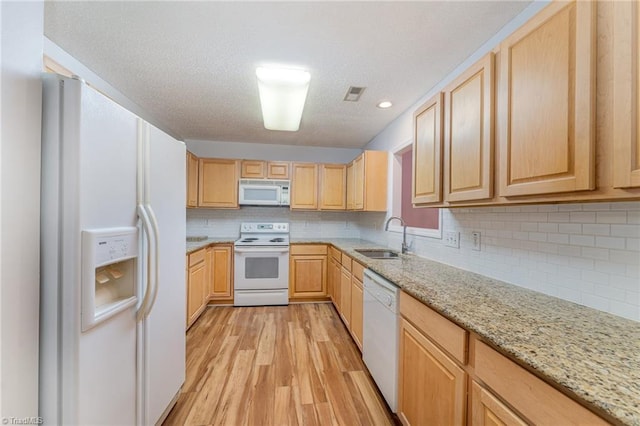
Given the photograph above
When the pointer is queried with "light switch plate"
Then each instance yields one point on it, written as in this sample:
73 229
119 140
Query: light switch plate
452 239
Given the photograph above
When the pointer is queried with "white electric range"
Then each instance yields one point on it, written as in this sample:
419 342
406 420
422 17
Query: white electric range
262 265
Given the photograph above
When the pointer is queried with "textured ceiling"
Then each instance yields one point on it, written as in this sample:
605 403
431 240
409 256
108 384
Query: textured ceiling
191 65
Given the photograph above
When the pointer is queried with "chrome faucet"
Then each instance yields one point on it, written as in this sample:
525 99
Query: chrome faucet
405 247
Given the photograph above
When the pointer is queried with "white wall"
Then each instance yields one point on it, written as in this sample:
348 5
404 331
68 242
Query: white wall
21 91
256 151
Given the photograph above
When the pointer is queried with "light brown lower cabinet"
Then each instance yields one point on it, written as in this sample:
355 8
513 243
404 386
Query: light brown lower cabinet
432 387
196 284
221 273
443 370
356 310
335 273
487 410
308 271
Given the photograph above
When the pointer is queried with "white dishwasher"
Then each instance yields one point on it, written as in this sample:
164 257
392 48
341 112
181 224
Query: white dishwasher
380 334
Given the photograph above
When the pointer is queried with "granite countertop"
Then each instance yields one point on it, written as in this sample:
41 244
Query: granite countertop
197 245
592 354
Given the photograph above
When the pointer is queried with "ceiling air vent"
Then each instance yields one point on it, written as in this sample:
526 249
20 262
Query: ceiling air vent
353 94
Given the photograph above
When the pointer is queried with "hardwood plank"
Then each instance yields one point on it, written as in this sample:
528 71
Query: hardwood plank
279 365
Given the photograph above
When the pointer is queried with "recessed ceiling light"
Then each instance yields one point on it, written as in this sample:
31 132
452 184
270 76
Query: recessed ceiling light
283 92
385 104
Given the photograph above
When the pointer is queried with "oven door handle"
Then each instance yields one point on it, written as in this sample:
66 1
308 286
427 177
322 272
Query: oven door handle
262 250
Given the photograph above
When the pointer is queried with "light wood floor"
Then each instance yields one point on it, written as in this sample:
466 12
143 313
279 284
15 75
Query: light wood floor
277 365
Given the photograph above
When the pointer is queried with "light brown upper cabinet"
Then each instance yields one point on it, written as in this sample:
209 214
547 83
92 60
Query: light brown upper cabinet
468 134
427 152
547 102
626 87
333 185
304 186
367 188
218 186
192 180
278 170
253 169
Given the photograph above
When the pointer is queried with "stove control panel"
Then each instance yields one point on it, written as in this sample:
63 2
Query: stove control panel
280 227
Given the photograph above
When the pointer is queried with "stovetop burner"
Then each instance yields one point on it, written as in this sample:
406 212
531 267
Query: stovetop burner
248 240
276 240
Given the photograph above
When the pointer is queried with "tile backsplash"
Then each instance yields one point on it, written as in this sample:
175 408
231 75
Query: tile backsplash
303 224
585 253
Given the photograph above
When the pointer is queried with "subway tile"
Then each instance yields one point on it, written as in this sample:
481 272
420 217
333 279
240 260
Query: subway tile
548 227
529 226
582 217
592 207
625 256
624 283
559 217
596 229
582 240
548 248
570 228
595 253
558 238
537 217
595 277
626 205
610 242
630 231
569 250
581 262
633 217
569 294
546 208
633 244
538 236
611 293
611 217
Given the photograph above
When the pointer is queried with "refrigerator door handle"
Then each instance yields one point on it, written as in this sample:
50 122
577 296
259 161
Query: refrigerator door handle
151 267
156 260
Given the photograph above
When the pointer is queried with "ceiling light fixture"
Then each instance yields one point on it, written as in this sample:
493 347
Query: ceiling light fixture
283 92
385 105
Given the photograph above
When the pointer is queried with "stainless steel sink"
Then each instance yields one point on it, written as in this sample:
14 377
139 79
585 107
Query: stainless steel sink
378 253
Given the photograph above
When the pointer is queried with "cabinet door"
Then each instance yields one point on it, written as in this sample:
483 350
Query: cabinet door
356 310
350 187
626 92
333 185
345 296
308 276
468 147
427 152
431 387
192 180
278 170
358 183
195 293
487 410
221 281
218 183
374 176
253 169
547 102
304 186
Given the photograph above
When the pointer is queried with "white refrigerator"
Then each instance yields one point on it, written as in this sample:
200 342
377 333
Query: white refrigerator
112 337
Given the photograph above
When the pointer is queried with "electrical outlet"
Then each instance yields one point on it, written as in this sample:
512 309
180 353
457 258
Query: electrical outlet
452 239
475 238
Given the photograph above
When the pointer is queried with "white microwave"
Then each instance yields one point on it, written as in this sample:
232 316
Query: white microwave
265 192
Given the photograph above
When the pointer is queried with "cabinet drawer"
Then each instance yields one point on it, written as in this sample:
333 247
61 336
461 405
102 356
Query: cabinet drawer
335 253
538 401
357 270
308 249
346 262
197 257
445 333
